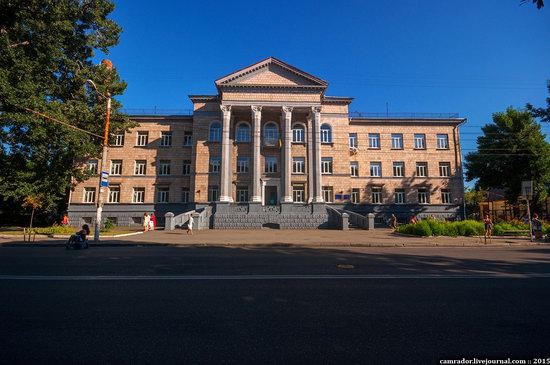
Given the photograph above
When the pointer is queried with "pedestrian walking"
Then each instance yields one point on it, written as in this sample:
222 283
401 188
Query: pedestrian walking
537 226
146 220
488 224
413 219
154 220
190 225
65 220
393 222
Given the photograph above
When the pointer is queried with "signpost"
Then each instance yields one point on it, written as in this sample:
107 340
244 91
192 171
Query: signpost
527 193
104 179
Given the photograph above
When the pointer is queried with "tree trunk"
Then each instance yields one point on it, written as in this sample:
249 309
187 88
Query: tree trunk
32 217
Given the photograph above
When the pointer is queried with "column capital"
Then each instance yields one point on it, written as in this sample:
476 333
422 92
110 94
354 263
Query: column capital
225 108
316 109
287 109
256 108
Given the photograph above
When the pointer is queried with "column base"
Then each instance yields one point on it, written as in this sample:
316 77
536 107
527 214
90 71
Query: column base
226 199
287 199
256 199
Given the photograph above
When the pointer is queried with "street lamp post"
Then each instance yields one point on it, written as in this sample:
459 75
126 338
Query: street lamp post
104 173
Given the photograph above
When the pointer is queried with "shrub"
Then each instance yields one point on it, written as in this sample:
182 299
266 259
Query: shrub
108 225
55 229
422 228
438 228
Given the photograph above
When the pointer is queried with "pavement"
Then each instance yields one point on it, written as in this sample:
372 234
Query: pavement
273 305
290 238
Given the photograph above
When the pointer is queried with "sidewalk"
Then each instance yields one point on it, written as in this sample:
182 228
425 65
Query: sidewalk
289 238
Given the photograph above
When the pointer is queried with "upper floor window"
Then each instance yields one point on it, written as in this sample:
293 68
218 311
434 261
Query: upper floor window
444 169
89 195
326 165
399 196
271 134
270 164
374 140
116 167
186 167
397 141
423 197
445 196
142 139
214 165
419 141
326 133
354 169
421 169
114 194
298 165
243 165
140 167
376 169
398 169
298 133
165 139
442 141
92 166
163 195
242 133
215 132
187 139
164 167
118 140
138 195
376 195
185 195
353 140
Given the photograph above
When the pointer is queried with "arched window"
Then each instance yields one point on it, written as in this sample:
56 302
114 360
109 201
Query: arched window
326 133
215 132
298 133
242 133
271 134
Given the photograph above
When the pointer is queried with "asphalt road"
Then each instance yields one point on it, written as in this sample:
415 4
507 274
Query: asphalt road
187 305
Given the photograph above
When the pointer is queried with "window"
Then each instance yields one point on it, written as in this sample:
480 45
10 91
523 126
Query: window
445 196
242 194
399 196
327 194
114 194
397 141
442 141
326 165
187 139
326 133
421 169
376 195
89 195
376 169
141 167
214 165
185 195
118 140
138 195
270 164
271 134
213 193
243 165
165 139
355 195
354 169
164 167
298 134
422 196
419 141
398 169
298 193
186 167
163 195
116 167
242 133
137 220
215 132
374 140
298 165
92 166
444 169
142 139
353 140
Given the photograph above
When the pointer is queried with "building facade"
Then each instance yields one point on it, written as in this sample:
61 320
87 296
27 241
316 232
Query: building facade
269 142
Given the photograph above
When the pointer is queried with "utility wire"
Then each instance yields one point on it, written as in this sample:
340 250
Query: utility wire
61 122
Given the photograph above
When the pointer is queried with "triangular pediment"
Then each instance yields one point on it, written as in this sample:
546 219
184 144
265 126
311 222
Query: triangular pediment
271 72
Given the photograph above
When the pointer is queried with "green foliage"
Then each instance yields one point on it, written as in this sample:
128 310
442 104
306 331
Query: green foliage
55 229
512 149
108 225
432 227
542 113
46 51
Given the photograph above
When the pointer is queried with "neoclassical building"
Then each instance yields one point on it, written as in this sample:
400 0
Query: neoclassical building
271 147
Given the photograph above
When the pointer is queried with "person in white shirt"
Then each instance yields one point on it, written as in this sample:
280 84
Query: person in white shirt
190 225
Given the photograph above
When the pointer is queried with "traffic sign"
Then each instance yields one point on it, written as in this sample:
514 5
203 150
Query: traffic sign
527 189
104 179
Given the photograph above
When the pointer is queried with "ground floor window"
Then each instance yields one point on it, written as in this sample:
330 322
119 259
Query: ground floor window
163 195
445 196
242 193
298 193
185 195
355 195
328 195
138 195
423 196
114 194
213 193
114 220
399 196
376 195
137 220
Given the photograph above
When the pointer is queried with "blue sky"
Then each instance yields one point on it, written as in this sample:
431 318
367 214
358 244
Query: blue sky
468 56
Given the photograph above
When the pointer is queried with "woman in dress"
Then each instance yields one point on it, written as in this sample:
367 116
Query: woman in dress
146 220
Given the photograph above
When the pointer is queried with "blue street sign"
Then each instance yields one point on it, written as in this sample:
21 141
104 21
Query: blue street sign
104 179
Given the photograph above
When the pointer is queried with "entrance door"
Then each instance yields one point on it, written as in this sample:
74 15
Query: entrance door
270 196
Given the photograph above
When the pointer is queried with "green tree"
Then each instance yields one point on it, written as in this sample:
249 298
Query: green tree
511 149
46 52
542 113
472 197
538 3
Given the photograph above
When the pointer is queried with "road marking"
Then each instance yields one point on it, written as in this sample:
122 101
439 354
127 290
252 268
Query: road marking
270 277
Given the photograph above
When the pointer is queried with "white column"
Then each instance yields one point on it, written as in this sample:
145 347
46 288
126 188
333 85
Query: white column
310 160
317 195
256 165
287 157
225 178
